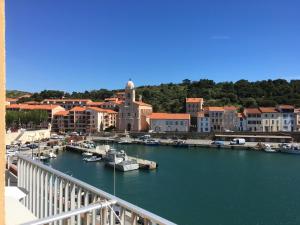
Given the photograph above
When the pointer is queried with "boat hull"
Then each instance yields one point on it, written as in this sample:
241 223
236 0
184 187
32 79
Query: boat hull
124 167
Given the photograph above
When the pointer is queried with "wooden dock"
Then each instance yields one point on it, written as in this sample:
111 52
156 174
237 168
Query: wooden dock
101 151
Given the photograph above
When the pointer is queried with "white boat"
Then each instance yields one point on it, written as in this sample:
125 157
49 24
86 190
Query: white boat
124 142
115 156
52 155
125 166
87 154
120 161
267 148
151 142
92 159
289 148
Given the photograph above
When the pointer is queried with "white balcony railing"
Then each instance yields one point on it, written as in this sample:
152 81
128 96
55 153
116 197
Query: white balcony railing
57 198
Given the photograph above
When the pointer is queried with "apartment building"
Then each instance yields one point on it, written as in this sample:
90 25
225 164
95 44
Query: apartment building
203 122
270 119
194 105
67 103
84 120
288 117
169 122
253 117
231 121
297 119
216 115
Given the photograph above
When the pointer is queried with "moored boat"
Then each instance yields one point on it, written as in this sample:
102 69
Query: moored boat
289 148
151 142
124 166
268 148
87 154
92 159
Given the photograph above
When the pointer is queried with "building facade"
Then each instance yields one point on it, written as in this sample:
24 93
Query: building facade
203 122
133 114
169 122
253 117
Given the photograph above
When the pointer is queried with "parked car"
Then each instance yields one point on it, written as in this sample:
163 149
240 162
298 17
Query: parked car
218 143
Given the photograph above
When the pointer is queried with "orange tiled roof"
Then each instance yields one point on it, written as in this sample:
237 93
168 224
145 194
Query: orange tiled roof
62 113
67 100
78 109
214 108
286 106
102 110
268 109
170 116
111 99
252 111
194 100
32 107
230 108
94 103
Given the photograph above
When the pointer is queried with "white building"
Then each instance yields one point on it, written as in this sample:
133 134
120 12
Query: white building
288 118
169 122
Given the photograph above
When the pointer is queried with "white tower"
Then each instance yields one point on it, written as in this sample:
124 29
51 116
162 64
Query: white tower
129 93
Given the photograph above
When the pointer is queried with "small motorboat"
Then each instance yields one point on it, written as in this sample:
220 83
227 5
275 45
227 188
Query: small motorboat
92 159
151 142
289 148
43 157
87 154
124 142
268 148
52 155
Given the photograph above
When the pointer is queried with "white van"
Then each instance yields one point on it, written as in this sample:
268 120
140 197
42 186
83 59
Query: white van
238 141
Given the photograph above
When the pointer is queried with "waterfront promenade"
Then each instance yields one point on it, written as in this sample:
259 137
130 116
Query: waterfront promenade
187 143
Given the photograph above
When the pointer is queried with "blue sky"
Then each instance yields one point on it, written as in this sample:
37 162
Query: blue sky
78 45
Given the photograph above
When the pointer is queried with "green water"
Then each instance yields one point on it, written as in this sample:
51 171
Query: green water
202 186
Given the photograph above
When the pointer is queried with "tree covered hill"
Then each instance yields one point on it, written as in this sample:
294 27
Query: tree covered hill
15 93
171 97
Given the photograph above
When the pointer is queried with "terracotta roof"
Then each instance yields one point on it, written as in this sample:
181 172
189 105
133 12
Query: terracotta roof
62 113
252 111
32 107
230 108
214 108
268 109
78 109
111 99
286 106
67 100
94 103
102 110
194 100
169 116
33 103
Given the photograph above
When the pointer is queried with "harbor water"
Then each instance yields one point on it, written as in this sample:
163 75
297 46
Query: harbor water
196 186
